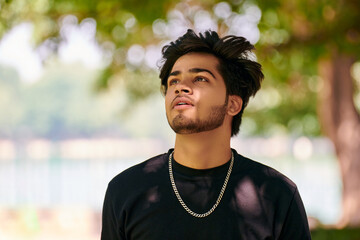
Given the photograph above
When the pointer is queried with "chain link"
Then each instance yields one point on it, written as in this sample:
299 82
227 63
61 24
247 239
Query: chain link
199 215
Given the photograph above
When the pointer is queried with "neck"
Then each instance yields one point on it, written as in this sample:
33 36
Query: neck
203 150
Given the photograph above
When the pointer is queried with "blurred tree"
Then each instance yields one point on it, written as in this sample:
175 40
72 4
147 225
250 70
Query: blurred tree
61 104
110 15
307 49
323 38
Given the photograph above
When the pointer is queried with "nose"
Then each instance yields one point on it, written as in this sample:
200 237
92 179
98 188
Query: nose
183 88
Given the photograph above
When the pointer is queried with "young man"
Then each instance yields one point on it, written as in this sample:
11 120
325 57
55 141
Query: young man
203 189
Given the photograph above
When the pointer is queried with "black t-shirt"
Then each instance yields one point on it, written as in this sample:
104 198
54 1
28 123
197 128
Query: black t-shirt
258 203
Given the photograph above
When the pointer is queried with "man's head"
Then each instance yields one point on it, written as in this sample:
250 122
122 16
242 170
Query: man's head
242 76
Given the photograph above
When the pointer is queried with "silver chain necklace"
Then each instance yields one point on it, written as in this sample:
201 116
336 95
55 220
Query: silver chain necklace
199 215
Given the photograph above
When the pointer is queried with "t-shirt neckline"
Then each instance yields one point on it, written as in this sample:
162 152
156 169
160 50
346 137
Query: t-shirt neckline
218 171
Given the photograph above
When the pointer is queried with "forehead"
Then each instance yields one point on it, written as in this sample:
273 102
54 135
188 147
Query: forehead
196 60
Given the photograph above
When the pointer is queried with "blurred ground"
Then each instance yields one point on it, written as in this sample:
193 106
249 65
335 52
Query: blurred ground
63 223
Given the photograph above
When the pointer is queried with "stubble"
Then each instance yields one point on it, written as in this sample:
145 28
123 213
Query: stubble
184 125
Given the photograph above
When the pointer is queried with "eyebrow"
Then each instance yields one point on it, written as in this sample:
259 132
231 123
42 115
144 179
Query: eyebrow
193 70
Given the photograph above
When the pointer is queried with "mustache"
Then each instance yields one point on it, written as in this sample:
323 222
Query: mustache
182 96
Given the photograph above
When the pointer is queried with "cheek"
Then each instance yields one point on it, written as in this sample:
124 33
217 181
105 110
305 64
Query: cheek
167 101
215 98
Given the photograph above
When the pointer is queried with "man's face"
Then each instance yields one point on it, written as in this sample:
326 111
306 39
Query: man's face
195 100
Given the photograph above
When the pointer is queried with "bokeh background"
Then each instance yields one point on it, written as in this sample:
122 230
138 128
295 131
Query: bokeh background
80 101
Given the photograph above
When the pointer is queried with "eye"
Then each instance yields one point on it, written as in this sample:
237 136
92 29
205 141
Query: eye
173 81
200 79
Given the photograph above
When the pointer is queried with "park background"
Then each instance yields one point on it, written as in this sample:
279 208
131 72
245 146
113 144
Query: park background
80 101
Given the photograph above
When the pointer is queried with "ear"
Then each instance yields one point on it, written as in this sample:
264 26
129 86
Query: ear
234 105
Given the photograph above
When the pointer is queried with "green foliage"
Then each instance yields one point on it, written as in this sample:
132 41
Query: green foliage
110 15
294 36
288 95
336 234
312 24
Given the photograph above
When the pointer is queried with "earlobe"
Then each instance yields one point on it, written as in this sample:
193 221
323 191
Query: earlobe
234 105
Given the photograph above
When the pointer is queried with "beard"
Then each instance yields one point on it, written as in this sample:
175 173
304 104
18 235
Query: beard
183 125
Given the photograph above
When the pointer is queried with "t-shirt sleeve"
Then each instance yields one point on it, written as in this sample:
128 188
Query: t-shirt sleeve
296 225
110 224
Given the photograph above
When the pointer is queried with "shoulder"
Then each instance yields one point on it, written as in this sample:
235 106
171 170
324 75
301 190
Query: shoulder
264 178
137 174
134 181
261 189
131 184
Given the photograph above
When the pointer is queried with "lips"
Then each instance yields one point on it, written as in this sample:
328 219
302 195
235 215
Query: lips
182 102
